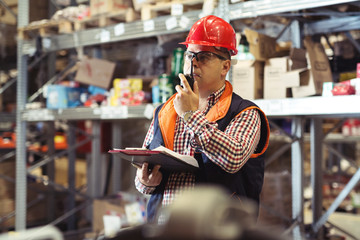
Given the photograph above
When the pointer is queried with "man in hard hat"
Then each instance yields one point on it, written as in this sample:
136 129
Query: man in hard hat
227 135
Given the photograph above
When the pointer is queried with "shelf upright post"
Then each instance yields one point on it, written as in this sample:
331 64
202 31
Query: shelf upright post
316 159
297 176
70 205
21 88
297 152
116 143
222 10
296 34
50 169
95 188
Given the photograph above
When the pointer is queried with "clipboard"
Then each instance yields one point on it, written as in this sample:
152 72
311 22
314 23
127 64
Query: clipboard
166 158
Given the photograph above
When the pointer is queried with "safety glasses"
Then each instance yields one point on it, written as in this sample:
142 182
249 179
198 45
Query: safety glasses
202 56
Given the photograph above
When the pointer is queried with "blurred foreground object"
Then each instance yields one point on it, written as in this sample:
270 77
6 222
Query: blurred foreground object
39 233
207 212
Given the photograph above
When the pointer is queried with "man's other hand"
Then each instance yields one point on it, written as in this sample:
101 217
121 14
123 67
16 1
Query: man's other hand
149 178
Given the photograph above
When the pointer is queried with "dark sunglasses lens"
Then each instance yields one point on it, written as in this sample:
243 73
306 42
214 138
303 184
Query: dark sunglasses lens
203 57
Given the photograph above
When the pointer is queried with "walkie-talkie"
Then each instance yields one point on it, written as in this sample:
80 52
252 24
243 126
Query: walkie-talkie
190 77
190 80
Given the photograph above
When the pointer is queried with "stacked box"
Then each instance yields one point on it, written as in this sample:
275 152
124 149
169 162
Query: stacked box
95 71
286 72
319 68
39 9
261 46
62 170
138 4
36 213
127 91
59 96
281 74
110 214
7 189
276 200
275 85
98 7
248 79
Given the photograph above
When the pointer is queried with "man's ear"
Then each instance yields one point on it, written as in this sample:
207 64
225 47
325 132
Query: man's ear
226 67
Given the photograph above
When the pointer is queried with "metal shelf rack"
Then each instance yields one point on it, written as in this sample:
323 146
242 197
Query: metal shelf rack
297 109
7 117
84 113
321 107
315 109
139 29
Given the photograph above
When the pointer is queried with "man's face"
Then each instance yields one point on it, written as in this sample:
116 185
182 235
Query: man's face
209 70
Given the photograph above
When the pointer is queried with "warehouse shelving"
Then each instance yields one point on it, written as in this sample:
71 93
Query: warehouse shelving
313 108
7 117
84 113
138 29
275 108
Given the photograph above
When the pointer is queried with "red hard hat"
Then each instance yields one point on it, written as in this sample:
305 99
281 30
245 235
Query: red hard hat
212 31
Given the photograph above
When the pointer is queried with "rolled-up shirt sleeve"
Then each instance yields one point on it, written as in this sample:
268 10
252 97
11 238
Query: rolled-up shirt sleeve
143 188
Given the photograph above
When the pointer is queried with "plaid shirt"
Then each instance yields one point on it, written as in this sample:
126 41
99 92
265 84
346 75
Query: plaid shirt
229 149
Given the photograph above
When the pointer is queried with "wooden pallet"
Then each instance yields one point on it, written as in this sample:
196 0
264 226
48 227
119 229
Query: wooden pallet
149 11
125 15
46 28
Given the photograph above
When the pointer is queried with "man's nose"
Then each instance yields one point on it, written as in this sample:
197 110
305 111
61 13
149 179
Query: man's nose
194 61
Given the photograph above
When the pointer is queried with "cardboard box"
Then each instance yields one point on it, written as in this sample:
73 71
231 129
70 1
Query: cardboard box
94 71
320 70
7 189
261 46
248 79
62 171
307 86
344 49
281 74
35 214
278 79
276 196
127 91
281 86
5 16
138 4
274 86
59 96
297 59
102 207
38 10
108 6
113 213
